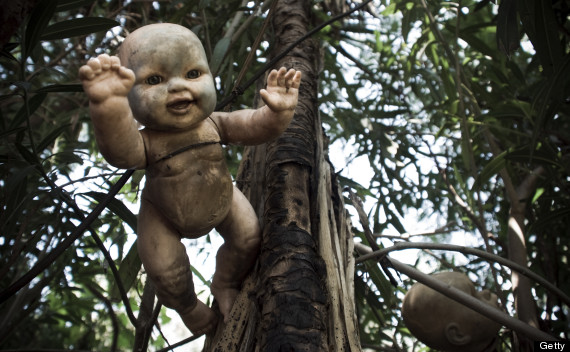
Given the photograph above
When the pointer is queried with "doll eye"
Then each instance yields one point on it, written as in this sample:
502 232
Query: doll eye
153 80
192 74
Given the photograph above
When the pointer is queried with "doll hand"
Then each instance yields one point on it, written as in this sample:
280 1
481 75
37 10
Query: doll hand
282 89
104 77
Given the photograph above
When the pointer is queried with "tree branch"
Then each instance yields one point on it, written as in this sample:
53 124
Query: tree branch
117 277
467 300
112 315
467 250
524 301
181 343
384 261
145 320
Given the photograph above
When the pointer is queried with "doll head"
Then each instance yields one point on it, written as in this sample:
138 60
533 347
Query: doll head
173 88
444 324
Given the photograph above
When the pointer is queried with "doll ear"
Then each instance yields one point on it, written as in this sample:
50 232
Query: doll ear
455 336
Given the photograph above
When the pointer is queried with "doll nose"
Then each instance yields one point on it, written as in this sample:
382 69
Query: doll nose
177 84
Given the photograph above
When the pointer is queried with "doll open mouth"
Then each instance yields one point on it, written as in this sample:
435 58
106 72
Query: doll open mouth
180 106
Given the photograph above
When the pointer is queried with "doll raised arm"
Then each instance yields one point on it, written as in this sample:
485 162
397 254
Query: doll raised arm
250 127
107 85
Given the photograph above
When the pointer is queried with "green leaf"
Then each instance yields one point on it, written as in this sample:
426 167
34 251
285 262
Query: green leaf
537 194
18 177
78 27
27 110
528 155
219 54
508 27
128 272
474 36
136 179
542 29
552 89
491 169
360 189
390 9
373 301
378 277
6 52
51 137
61 88
67 158
37 23
26 154
546 221
117 207
15 198
381 282
200 276
66 5
12 131
547 26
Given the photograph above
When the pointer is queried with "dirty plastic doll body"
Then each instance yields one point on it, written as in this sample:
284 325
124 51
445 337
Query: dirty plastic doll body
166 85
446 325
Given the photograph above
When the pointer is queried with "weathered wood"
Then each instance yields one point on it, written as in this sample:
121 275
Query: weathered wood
300 297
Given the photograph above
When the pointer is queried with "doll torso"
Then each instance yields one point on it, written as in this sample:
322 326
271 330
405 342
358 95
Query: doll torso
193 189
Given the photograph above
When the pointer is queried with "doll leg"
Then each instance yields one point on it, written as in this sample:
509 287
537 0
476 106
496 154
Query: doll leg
166 262
242 237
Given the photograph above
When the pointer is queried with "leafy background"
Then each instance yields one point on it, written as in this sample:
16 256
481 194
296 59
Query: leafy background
448 102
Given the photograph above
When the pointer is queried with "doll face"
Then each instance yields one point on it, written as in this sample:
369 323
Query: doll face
174 89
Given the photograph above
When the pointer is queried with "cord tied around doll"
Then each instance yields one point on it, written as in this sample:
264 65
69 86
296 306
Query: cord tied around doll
186 148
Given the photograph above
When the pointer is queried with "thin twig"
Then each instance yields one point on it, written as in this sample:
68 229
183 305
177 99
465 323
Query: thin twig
405 236
181 343
384 261
117 277
255 45
112 314
468 250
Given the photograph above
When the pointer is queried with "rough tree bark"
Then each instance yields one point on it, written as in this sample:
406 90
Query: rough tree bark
300 295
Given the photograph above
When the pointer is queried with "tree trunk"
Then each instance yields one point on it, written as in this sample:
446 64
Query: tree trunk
300 295
522 292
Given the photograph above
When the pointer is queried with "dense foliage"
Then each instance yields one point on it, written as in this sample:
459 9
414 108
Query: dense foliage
454 104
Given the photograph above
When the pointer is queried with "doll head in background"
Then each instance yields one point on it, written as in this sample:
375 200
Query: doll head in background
447 325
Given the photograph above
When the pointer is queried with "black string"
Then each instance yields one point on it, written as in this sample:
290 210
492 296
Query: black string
186 148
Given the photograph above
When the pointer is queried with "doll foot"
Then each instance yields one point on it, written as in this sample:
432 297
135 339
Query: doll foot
200 320
225 296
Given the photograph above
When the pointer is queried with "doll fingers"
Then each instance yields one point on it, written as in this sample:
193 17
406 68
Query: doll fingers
293 78
115 62
90 70
86 73
95 64
126 73
272 78
282 77
290 74
297 79
105 61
